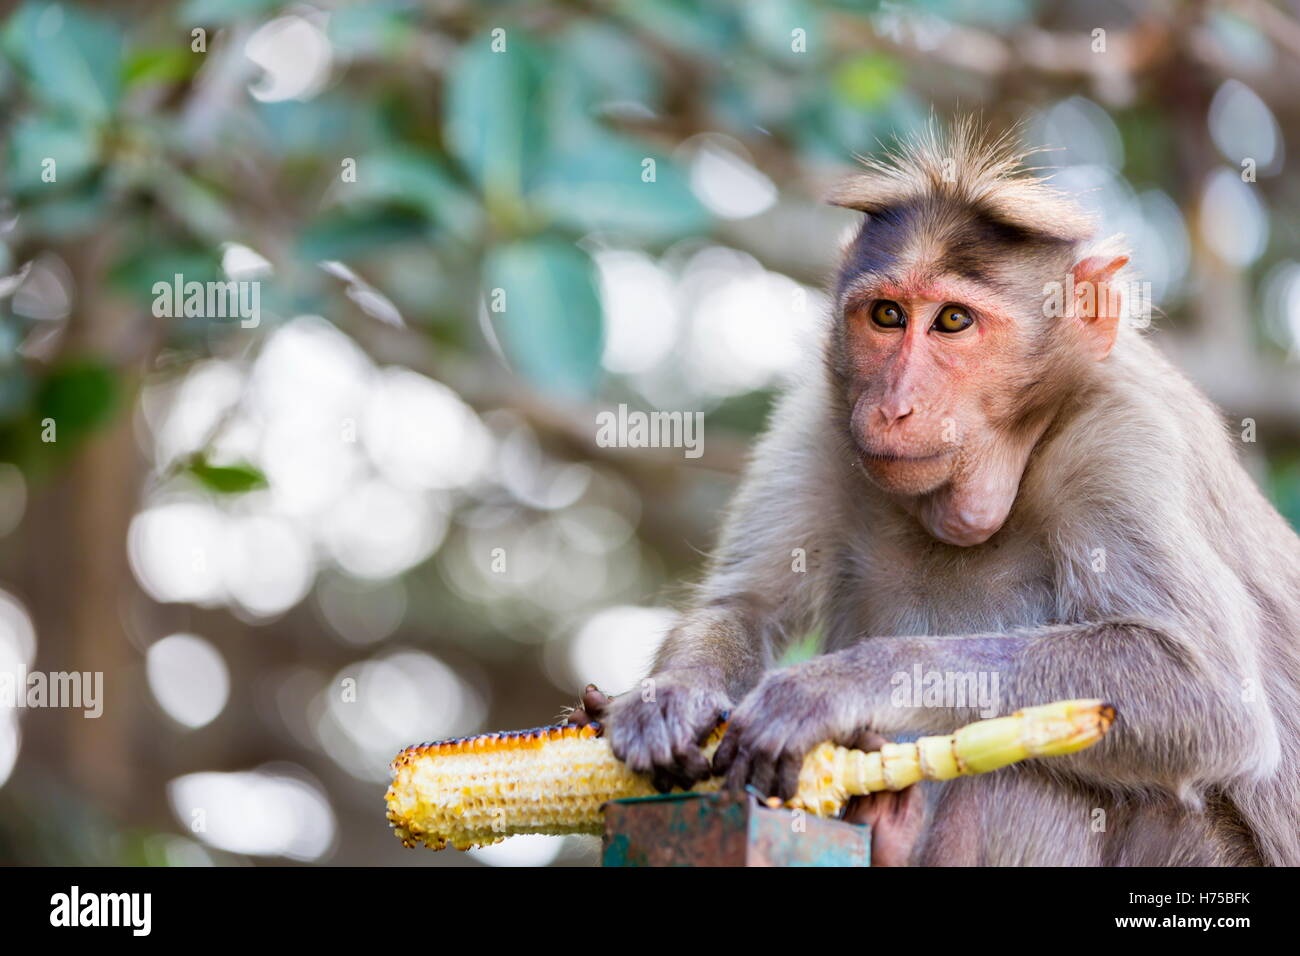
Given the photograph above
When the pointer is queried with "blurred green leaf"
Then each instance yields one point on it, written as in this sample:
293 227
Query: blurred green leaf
372 29
551 326
196 204
751 95
73 57
236 479
223 11
597 183
744 414
1284 488
347 234
315 130
155 259
827 125
80 395
701 29
11 336
990 13
868 80
772 25
160 65
494 116
68 215
16 382
807 647
70 142
1149 141
416 181
611 65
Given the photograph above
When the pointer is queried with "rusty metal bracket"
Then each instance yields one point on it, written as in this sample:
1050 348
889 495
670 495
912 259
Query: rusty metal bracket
723 829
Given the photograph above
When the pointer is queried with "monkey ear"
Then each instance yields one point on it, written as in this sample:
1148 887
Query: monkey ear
1097 302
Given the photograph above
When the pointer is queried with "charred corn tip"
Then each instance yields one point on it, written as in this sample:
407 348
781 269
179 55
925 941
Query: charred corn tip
473 791
494 742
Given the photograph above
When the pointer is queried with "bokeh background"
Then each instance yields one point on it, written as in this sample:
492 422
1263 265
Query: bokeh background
282 546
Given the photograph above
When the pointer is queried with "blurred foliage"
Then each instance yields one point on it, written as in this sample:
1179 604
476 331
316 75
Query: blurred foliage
234 479
495 161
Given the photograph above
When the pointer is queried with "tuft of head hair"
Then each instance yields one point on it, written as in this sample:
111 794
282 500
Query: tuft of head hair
969 165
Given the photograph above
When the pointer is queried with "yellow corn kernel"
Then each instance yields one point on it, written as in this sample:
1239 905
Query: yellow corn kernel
479 790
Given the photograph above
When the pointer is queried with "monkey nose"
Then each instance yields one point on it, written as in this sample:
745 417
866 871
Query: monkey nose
893 411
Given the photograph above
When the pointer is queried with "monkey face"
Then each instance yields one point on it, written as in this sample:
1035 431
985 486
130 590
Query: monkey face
929 371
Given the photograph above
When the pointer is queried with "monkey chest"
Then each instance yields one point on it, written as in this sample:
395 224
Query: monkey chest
921 586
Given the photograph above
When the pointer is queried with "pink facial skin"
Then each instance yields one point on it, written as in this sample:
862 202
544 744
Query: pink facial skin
925 401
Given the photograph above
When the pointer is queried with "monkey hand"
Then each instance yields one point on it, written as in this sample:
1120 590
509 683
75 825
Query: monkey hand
791 711
591 709
660 728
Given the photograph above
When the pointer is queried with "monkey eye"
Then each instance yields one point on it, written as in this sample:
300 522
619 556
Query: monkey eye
888 315
952 318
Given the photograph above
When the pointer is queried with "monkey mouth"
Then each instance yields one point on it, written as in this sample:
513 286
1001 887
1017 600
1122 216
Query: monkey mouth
907 475
891 457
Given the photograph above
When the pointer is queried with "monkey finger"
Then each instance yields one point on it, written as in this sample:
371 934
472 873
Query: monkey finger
737 774
866 739
657 741
787 774
762 771
690 762
873 807
682 719
628 740
592 707
662 780
861 809
725 755
674 773
594 702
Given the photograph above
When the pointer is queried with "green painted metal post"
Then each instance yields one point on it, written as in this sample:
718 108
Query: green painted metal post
718 829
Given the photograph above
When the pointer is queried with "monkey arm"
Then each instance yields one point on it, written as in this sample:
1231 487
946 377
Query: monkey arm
758 595
754 600
768 579
1184 717
706 663
724 645
1182 726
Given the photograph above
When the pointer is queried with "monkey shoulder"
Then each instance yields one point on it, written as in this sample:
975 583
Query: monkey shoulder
1140 445
1143 504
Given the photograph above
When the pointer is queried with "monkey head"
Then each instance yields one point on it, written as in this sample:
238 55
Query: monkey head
947 354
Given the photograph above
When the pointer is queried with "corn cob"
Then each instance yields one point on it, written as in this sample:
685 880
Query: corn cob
478 790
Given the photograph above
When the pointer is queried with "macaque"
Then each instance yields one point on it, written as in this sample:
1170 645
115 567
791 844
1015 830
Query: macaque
984 483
